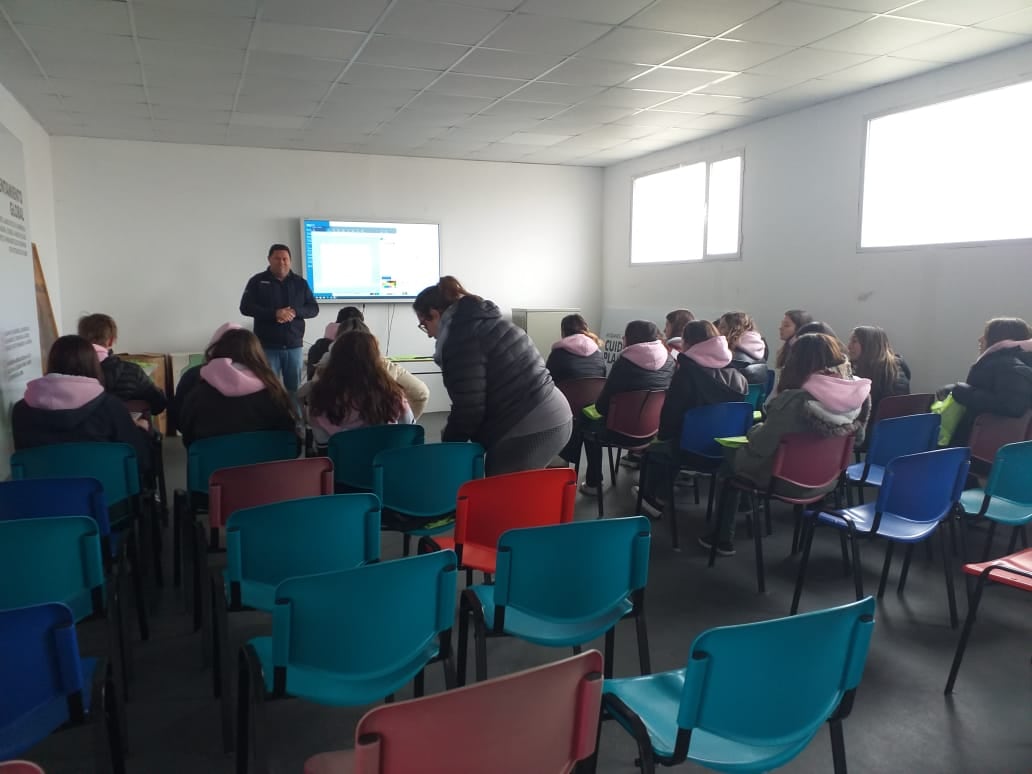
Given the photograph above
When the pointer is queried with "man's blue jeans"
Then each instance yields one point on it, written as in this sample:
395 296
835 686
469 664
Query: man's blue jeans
286 364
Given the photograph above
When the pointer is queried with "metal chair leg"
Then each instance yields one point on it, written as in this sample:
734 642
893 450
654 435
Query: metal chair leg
885 568
951 596
969 623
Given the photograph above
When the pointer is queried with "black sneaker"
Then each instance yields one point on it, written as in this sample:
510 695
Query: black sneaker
724 547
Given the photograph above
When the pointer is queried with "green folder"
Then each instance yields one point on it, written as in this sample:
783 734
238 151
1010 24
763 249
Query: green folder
733 442
591 412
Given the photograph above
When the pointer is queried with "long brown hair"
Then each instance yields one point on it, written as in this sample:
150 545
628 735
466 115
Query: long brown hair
877 361
573 324
799 318
734 325
355 379
677 319
812 353
241 346
446 292
74 356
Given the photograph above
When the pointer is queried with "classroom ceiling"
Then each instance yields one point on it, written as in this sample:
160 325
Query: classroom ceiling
585 82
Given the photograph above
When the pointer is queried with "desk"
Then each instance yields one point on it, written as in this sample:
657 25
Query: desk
429 372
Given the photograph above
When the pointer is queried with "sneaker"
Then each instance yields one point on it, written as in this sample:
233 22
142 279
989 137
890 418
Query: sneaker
631 460
724 547
652 506
590 491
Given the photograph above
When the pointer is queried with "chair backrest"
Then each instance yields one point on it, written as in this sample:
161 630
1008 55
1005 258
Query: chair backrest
757 394
924 487
581 392
552 710
39 662
270 543
20 767
903 405
771 378
230 489
378 621
811 461
702 425
207 455
898 436
636 413
991 431
1011 475
487 507
35 498
52 560
353 451
114 465
569 571
423 481
775 682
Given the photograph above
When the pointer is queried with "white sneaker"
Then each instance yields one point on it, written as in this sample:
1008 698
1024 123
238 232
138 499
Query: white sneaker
653 508
590 491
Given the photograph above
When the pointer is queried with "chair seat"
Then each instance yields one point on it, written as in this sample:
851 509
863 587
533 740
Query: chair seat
336 762
874 475
892 527
338 690
656 699
474 557
746 485
1001 510
256 594
26 731
1020 561
550 633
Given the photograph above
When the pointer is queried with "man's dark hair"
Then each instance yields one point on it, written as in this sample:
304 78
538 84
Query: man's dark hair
278 246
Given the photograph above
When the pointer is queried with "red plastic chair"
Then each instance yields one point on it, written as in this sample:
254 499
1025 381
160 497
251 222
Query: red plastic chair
487 507
803 460
903 405
20 767
1014 570
635 416
581 392
992 431
542 720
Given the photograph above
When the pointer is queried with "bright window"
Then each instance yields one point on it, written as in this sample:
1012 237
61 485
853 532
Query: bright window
953 172
688 213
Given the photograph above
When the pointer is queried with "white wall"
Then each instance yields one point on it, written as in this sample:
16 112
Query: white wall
800 227
163 237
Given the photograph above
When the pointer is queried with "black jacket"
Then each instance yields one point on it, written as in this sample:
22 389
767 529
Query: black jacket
564 365
492 371
265 294
1000 383
127 381
900 387
207 413
694 386
755 371
626 376
191 378
315 354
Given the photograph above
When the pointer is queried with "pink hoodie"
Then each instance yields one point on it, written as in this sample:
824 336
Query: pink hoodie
60 392
577 344
331 331
1024 346
650 355
102 352
836 394
231 379
752 344
323 428
711 353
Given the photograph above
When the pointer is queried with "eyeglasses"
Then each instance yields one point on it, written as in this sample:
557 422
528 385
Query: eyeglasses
422 327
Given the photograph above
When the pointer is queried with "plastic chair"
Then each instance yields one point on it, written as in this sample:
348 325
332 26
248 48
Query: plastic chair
268 544
39 498
346 639
487 507
891 438
756 395
420 484
581 393
353 451
47 685
917 495
990 432
804 461
20 767
752 696
157 449
540 720
562 586
1006 498
1014 570
893 406
699 451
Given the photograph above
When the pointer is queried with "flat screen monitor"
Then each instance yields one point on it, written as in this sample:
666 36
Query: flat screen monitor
352 260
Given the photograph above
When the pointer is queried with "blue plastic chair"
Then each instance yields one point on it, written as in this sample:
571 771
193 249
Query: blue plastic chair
1006 499
917 496
419 485
699 451
752 696
347 639
353 452
562 586
47 685
891 438
268 544
39 498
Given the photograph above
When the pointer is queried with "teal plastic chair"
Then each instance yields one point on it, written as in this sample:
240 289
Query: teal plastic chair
346 639
268 544
752 696
1006 499
353 452
562 586
418 485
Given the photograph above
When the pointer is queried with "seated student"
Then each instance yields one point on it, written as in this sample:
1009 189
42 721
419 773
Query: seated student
123 379
69 404
675 322
318 350
812 326
748 349
817 394
578 354
793 320
354 390
237 393
191 377
1000 380
644 364
872 358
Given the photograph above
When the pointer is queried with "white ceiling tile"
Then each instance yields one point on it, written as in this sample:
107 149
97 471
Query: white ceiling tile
674 79
735 55
503 152
536 138
389 50
523 109
962 11
163 54
698 103
749 85
507 64
440 22
668 137
267 121
110 108
379 76
73 87
1020 23
715 122
961 44
500 5
601 114
605 136
699 17
657 119
815 91
450 148
266 64
884 69
566 93
343 99
195 29
641 46
805 63
550 155
881 35
188 132
265 102
631 98
509 124
67 43
274 86
477 135
358 15
590 142
476 85
594 72
117 127
760 108
94 16
872 6
127 72
796 24
431 102
178 80
601 11
306 41
191 115
545 34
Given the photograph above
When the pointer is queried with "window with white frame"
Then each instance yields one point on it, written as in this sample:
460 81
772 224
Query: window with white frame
954 172
688 213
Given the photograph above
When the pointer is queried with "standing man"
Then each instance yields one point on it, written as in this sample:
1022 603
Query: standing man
279 301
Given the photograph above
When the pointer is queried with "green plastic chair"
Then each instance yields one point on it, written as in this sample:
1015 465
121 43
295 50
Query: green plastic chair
353 452
1007 497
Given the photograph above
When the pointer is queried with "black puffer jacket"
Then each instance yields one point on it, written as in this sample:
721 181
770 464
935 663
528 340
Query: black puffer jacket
575 357
998 383
207 413
645 366
750 357
127 381
492 371
694 386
